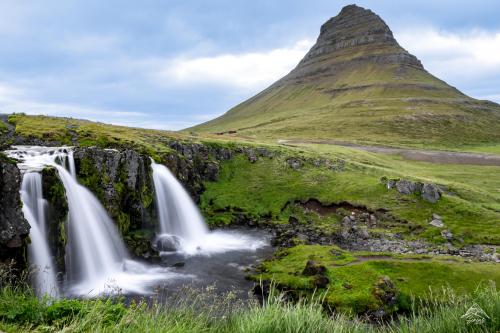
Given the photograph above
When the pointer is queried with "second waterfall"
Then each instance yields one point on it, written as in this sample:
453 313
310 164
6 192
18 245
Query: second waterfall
181 226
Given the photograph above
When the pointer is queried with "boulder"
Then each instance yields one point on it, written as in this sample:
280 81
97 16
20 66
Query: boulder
321 281
437 223
431 193
406 187
167 243
446 234
385 291
312 268
294 163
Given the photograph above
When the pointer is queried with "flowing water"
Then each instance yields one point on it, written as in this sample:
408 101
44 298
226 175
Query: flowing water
97 261
181 225
44 273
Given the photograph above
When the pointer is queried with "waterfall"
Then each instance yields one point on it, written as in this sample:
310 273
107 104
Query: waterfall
34 206
177 213
181 226
95 250
96 259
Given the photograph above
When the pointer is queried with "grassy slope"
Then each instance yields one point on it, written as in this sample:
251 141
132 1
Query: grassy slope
263 188
382 105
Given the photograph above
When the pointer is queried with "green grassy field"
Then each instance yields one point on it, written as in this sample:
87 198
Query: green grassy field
353 275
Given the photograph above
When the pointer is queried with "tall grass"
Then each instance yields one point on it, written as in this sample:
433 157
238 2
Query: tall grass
444 311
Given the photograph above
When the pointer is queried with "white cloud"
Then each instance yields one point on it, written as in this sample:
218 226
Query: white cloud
243 70
455 57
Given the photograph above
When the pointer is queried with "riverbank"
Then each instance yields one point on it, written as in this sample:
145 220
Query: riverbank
21 311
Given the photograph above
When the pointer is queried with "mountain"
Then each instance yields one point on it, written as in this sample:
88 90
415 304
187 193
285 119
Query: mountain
358 84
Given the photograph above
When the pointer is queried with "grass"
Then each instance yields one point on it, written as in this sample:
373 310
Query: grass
261 190
21 311
372 105
353 276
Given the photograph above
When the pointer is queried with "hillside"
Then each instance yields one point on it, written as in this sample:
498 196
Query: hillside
358 84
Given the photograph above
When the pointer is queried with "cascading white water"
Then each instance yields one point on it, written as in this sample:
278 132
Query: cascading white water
182 227
177 213
44 275
95 250
96 258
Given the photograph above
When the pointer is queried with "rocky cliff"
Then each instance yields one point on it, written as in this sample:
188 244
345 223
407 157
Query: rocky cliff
14 228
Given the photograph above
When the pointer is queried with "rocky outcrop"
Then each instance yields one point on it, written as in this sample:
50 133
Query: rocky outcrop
386 294
357 28
14 228
428 191
57 213
121 179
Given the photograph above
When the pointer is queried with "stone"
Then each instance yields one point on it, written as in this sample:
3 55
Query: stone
437 223
321 281
385 291
347 285
446 234
405 186
436 217
167 243
431 193
363 233
179 264
313 268
294 163
391 183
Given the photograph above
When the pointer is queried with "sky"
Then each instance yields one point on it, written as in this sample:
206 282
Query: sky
171 64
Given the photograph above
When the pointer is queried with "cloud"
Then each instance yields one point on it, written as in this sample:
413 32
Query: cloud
464 59
242 70
16 100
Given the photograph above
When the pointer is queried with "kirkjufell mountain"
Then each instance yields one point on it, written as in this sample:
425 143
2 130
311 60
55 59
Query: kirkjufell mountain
358 84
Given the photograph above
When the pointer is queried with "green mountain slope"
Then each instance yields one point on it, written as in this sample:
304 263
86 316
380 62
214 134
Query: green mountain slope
358 84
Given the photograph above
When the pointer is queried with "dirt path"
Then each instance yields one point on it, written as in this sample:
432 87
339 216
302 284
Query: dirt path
361 259
432 156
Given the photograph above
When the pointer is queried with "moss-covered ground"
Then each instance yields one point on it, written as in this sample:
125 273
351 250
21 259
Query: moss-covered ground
262 190
353 275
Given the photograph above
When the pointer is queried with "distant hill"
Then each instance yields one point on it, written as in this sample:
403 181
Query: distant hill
358 84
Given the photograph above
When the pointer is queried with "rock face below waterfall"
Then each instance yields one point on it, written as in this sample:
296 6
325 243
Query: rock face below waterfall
13 226
122 181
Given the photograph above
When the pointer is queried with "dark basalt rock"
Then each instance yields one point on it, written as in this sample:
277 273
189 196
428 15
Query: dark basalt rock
431 193
14 228
313 268
167 243
57 212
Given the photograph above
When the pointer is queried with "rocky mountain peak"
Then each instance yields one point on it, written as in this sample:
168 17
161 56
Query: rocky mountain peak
360 32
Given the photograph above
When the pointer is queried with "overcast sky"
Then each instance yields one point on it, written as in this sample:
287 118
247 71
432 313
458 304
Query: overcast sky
171 64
